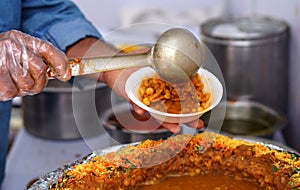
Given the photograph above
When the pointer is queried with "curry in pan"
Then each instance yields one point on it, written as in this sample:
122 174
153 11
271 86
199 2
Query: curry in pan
206 160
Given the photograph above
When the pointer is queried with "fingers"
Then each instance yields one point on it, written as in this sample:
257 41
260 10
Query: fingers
52 57
9 90
14 79
15 74
172 127
22 71
28 72
55 59
24 62
175 128
37 70
137 109
197 124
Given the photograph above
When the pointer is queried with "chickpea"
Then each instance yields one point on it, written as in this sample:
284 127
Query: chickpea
192 173
146 101
200 109
132 182
126 182
167 94
149 91
177 98
142 91
158 175
192 159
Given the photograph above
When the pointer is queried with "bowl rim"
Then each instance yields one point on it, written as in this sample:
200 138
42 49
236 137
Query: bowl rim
279 124
147 71
280 118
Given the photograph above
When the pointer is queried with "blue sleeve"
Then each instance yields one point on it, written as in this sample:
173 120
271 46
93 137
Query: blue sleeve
57 21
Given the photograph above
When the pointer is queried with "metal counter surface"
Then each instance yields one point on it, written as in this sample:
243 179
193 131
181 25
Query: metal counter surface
31 157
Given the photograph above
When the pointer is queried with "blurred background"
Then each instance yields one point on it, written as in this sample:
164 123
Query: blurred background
255 42
192 14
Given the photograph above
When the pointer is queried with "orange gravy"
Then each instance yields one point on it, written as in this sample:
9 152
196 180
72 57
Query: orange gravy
203 182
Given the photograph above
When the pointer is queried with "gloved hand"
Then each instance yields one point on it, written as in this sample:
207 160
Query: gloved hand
24 61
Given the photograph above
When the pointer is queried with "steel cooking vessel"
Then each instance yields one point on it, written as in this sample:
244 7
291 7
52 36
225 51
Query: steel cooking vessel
125 126
248 118
51 114
252 53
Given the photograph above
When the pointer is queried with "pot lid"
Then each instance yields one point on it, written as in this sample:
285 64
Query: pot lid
243 28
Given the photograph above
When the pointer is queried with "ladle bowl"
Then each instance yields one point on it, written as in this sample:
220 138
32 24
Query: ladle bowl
177 55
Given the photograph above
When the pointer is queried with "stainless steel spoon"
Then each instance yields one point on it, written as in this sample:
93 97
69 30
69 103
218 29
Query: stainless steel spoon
176 57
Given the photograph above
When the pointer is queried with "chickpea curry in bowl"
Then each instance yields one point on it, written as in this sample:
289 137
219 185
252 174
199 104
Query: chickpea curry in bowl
174 102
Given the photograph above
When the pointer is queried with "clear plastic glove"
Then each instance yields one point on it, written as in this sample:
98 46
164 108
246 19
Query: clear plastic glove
24 61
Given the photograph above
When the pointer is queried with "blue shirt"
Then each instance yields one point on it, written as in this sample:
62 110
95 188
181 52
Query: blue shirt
59 22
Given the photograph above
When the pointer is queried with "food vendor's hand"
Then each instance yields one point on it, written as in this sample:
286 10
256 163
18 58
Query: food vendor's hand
173 127
89 47
24 61
116 79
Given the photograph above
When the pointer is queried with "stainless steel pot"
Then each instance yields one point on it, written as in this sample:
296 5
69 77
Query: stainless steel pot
125 126
253 54
51 113
248 118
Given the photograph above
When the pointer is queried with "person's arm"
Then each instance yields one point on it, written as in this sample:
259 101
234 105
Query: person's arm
24 61
62 23
58 21
93 47
115 79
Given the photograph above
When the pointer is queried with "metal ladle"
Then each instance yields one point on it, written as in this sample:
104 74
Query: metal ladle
176 57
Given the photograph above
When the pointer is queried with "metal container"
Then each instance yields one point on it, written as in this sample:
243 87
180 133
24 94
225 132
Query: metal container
253 54
51 114
125 126
51 178
247 118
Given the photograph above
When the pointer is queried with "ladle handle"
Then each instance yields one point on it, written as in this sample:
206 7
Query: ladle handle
89 65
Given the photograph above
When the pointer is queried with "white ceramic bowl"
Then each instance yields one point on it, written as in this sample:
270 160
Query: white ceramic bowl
211 84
